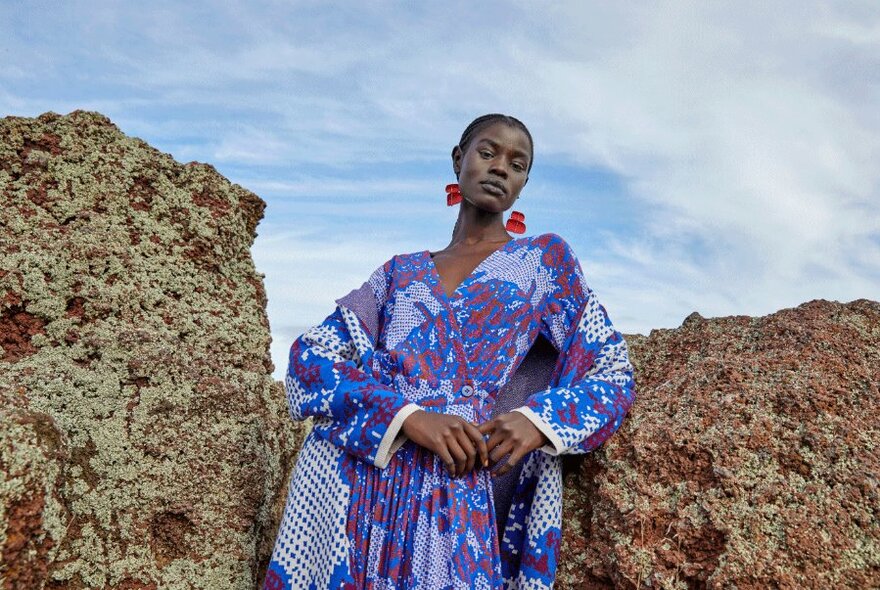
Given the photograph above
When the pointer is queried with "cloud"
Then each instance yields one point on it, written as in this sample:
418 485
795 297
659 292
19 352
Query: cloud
752 156
305 271
742 139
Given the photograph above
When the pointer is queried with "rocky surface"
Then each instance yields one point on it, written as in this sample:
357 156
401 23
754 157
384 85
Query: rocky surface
750 460
143 443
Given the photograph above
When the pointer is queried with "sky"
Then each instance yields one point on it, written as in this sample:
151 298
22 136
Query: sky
718 157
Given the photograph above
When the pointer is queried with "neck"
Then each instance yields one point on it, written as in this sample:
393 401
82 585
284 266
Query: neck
475 225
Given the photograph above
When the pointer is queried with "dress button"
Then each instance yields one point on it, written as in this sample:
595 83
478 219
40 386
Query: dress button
467 391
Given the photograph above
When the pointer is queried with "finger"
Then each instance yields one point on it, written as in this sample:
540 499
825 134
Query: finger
457 453
505 431
446 457
497 438
487 427
515 455
512 460
478 439
502 470
467 446
499 451
443 453
492 444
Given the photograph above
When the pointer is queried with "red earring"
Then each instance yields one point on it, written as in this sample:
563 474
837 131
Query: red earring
516 223
453 195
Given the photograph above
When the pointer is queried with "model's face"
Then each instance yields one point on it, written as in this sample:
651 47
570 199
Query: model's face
494 169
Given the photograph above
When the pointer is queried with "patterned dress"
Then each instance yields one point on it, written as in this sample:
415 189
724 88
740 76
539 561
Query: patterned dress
368 508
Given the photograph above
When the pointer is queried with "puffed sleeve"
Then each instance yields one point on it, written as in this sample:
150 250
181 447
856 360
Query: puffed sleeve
326 380
592 386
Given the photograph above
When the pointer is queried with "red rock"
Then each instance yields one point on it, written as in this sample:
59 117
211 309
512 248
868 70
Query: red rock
749 459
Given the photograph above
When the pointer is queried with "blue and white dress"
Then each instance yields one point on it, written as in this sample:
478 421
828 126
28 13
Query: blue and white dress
368 508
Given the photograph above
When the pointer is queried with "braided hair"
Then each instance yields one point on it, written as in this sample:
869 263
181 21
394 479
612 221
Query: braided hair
481 123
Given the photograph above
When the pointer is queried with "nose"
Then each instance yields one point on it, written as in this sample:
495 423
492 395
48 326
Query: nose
499 167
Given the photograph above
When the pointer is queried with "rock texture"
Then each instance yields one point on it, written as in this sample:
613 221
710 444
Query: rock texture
750 459
143 443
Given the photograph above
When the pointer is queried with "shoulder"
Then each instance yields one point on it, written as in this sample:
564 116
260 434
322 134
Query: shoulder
382 278
398 262
556 252
563 267
551 240
379 283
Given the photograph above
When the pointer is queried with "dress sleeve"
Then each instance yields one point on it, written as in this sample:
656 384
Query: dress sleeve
350 408
592 387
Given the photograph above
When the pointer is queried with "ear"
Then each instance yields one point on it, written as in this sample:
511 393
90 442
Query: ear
456 160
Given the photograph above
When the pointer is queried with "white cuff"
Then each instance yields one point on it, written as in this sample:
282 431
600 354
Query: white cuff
556 446
391 442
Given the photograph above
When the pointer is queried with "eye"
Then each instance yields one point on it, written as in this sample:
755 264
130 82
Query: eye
518 167
486 154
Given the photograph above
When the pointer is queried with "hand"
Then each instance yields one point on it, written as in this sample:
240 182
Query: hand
511 433
456 441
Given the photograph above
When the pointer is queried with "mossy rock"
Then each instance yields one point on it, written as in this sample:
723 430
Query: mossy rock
133 319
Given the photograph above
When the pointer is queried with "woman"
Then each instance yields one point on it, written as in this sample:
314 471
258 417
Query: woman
443 392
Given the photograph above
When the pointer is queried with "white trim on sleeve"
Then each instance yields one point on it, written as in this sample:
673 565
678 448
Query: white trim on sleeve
391 442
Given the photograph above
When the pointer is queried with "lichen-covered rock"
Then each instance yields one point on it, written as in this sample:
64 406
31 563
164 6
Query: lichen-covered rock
750 459
32 452
144 442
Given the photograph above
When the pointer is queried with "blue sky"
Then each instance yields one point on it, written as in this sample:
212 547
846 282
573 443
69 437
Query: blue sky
711 157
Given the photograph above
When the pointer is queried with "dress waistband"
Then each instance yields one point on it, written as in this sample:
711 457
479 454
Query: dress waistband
444 392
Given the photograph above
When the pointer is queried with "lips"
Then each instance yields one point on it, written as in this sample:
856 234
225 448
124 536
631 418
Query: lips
494 184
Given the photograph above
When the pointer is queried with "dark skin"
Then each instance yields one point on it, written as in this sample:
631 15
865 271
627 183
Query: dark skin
498 154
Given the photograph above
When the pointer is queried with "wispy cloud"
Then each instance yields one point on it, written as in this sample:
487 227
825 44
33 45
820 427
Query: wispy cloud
735 144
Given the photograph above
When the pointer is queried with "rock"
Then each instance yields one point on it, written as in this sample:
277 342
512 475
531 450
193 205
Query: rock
144 443
32 454
693 319
749 460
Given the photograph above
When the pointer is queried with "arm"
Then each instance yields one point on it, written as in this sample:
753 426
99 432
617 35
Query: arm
351 408
592 388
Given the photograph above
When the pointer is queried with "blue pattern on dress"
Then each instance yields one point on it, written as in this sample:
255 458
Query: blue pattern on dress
368 508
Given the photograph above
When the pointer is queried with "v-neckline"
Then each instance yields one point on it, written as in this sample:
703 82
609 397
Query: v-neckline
439 281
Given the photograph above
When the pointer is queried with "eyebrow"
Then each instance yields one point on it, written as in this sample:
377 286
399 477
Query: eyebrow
495 145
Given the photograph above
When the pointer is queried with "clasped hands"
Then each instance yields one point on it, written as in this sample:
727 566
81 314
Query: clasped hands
460 443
